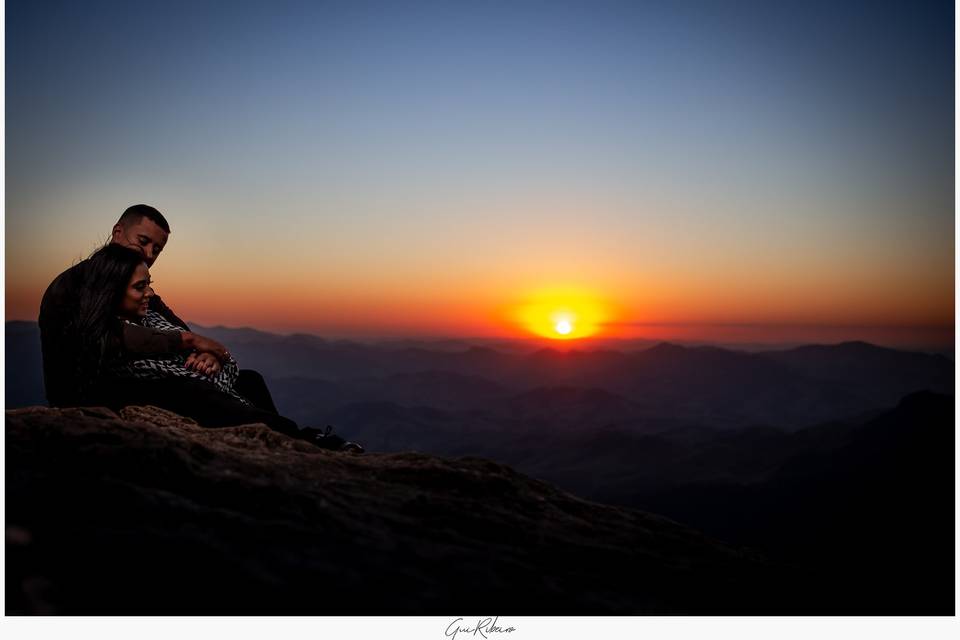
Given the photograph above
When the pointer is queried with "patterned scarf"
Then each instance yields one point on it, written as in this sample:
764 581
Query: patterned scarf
171 365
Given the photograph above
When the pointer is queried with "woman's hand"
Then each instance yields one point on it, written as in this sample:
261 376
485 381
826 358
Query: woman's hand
190 340
203 363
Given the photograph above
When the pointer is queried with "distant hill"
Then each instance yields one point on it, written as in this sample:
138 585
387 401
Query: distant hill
23 365
870 504
666 383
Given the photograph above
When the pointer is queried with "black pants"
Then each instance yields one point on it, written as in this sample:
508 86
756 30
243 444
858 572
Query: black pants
198 399
251 385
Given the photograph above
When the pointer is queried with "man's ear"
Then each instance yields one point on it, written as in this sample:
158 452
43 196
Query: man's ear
117 231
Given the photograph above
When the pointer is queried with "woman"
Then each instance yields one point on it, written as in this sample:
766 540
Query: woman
135 309
118 287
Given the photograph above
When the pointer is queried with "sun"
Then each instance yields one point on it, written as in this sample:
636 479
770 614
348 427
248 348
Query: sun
562 313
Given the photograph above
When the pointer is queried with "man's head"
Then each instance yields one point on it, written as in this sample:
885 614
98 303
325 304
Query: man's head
143 228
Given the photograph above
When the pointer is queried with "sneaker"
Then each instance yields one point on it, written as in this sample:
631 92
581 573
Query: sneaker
351 447
328 440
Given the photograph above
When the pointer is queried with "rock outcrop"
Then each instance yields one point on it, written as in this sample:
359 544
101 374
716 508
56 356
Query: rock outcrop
148 513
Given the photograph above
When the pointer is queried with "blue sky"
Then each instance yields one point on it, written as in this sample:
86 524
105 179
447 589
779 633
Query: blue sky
650 151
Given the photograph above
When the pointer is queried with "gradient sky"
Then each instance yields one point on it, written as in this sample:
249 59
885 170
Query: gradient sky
349 168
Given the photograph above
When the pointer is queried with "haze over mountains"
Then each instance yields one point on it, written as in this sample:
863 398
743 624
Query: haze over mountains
642 391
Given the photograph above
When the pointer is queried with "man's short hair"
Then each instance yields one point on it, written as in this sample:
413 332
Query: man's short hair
133 215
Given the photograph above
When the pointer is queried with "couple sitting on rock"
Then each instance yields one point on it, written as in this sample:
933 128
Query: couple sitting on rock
109 340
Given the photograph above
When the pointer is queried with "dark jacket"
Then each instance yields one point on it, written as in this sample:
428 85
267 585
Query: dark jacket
60 346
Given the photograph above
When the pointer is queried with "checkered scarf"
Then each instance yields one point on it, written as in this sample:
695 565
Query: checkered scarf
171 365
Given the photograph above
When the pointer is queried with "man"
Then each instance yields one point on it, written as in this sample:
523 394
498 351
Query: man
143 228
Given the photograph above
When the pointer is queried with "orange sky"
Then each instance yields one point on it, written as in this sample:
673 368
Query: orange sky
736 301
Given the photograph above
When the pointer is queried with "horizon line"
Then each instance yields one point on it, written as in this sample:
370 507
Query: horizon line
797 325
938 345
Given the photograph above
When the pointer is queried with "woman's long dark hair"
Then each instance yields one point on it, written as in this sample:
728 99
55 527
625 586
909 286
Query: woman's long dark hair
101 291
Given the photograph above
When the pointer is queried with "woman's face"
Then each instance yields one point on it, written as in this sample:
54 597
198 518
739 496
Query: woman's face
138 294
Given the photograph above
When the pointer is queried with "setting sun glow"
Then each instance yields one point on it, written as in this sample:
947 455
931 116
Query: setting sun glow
562 314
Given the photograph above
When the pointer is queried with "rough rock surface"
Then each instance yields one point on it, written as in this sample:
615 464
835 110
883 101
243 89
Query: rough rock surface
148 513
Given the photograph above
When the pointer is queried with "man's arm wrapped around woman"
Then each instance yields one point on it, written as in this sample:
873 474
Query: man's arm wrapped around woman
172 365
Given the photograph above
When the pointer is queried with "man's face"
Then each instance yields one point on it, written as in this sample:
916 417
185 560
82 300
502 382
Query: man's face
145 236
